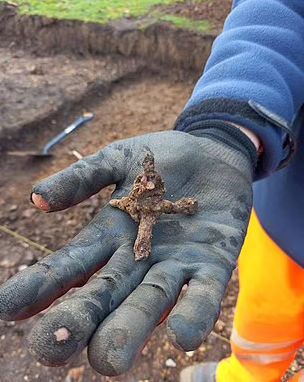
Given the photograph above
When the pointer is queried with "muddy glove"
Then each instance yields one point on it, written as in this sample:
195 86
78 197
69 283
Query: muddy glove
115 313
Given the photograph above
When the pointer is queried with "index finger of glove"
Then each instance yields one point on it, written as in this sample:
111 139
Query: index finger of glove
36 287
77 182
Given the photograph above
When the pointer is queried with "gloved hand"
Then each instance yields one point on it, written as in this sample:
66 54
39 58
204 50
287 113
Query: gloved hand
115 313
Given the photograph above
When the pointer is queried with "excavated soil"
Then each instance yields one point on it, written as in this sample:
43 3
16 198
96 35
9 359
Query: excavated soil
33 89
159 43
215 11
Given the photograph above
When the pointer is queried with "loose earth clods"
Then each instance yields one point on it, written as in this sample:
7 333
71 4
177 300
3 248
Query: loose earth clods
146 204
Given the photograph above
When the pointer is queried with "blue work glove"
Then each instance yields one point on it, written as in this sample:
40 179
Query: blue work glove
115 313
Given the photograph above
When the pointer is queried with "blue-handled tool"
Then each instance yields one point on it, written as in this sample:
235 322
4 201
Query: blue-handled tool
60 137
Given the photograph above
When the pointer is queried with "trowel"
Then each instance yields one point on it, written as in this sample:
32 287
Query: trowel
45 152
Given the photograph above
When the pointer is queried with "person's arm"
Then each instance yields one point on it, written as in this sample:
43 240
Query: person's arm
258 58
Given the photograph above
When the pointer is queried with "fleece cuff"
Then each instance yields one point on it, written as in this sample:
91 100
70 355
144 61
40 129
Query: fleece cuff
273 131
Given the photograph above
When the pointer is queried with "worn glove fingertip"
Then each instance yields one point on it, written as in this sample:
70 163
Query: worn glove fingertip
53 341
103 366
62 334
185 334
18 296
107 351
39 202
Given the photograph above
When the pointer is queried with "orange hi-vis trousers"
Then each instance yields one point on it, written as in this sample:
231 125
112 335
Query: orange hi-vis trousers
269 319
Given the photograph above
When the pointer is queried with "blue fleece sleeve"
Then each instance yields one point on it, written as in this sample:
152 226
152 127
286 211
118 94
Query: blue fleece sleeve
258 57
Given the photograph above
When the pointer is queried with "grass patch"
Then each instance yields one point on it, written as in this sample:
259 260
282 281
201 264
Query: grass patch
183 22
102 11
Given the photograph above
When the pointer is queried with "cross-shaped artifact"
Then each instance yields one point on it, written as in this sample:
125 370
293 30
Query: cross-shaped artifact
146 204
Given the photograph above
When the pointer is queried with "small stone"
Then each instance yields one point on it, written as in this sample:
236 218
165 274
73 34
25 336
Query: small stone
170 363
22 267
59 218
75 374
219 326
28 213
13 207
202 348
7 263
190 354
114 136
29 258
12 217
71 222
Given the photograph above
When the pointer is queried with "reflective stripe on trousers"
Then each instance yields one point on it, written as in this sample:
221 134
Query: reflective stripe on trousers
250 345
264 359
257 352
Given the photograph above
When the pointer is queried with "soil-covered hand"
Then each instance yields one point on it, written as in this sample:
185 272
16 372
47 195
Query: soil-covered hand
116 312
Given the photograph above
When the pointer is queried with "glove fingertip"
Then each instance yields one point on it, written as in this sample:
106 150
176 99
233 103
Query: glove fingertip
40 202
18 296
184 334
106 353
103 366
58 337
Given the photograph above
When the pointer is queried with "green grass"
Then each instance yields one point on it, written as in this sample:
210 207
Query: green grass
102 11
183 22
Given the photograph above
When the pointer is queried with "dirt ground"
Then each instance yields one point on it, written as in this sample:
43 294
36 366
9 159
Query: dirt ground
215 11
126 101
32 89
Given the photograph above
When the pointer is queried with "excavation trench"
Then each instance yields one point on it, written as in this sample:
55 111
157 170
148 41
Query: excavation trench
49 67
